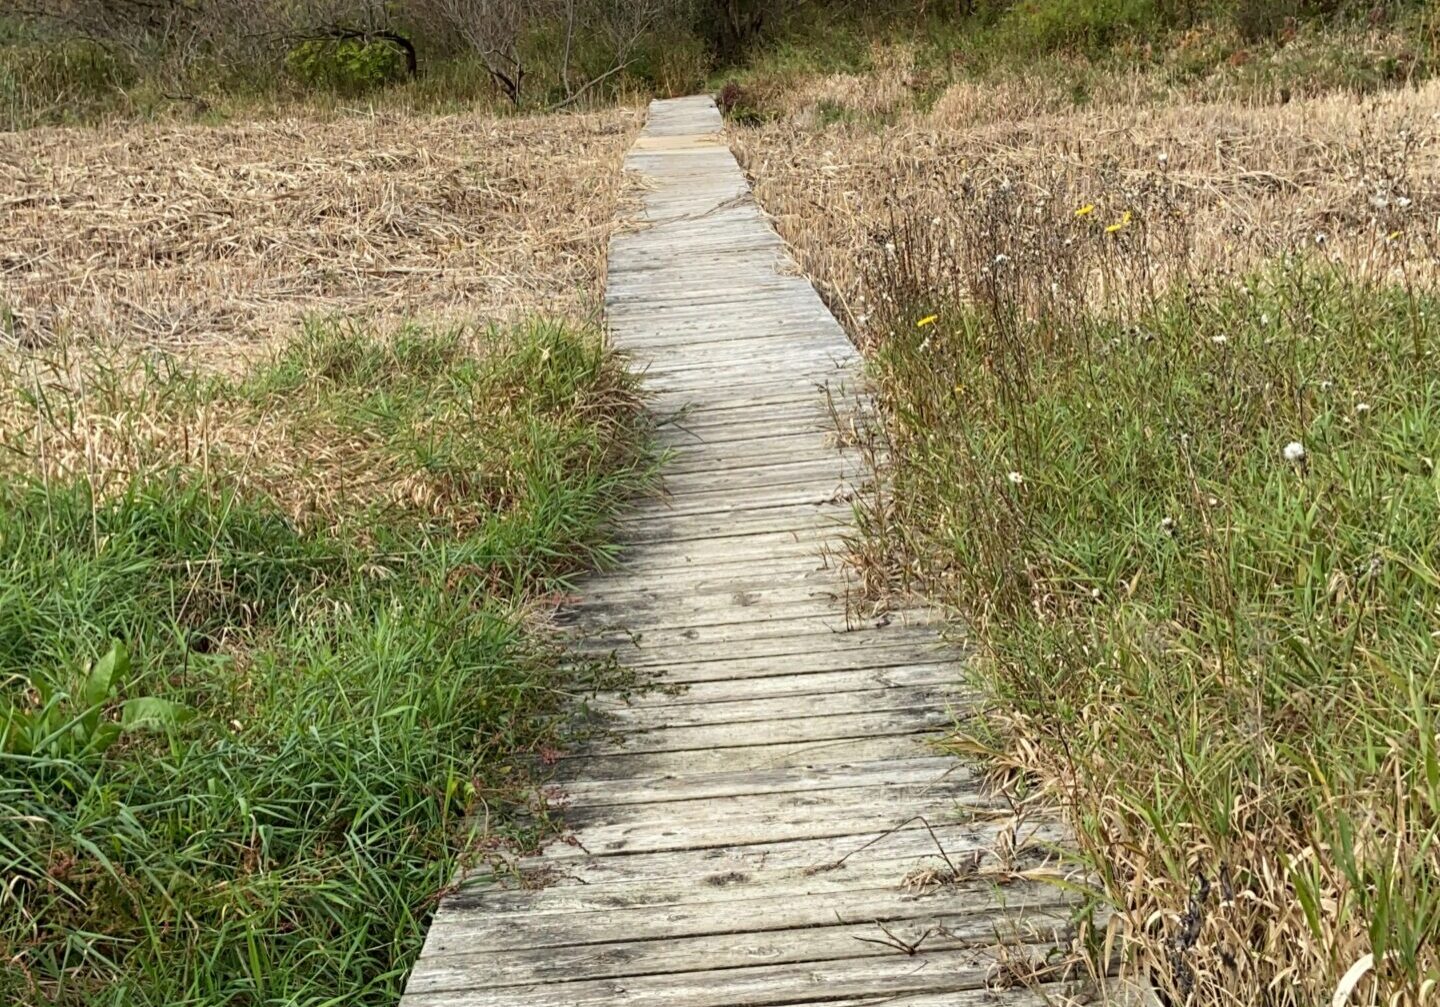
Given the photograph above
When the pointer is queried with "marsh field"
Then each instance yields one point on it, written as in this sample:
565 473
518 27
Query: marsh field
303 419
307 416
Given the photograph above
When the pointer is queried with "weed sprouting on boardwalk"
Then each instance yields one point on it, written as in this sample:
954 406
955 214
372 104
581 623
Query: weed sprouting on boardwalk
322 568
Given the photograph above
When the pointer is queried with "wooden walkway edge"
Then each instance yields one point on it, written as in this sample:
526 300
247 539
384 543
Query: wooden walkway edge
776 830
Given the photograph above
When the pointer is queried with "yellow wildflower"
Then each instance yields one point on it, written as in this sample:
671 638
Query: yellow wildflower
1393 235
927 320
1122 222
1085 210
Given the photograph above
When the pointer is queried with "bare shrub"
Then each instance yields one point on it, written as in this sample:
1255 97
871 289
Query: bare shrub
494 31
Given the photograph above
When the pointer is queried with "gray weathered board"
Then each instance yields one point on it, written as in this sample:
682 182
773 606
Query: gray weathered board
746 837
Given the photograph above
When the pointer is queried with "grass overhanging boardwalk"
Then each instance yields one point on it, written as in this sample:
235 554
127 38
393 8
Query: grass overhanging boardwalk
755 836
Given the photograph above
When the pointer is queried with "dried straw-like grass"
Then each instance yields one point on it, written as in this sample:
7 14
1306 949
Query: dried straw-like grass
215 239
208 247
1359 182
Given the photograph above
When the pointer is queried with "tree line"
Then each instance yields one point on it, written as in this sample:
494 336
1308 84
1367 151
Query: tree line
560 51
587 41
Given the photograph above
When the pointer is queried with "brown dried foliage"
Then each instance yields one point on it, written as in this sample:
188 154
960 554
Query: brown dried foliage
218 238
1216 187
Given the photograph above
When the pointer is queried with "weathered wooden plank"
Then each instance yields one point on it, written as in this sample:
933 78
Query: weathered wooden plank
787 575
747 609
668 394
1057 994
799 411
782 406
625 302
784 583
659 321
786 555
463 922
740 432
732 843
821 371
755 986
659 642
801 779
711 363
761 458
550 887
797 730
779 544
619 764
785 550
807 683
743 872
894 647
714 367
727 822
819 481
746 711
624 959
697 471
655 524
780 509
797 650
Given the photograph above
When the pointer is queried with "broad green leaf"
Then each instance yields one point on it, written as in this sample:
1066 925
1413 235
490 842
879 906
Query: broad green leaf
154 713
17 732
107 676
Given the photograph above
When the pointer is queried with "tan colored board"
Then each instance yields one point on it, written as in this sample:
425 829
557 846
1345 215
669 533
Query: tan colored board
743 835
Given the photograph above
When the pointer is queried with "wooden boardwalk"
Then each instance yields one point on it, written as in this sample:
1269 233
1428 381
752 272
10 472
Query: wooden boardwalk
754 836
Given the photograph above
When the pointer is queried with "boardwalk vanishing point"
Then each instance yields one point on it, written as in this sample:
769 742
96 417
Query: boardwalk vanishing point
777 829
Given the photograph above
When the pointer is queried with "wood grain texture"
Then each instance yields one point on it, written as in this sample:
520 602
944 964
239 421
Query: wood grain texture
752 833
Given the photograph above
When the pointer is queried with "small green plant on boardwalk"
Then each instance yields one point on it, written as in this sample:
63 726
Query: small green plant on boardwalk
263 649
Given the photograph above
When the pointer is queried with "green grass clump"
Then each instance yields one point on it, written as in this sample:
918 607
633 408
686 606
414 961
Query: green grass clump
1197 546
318 573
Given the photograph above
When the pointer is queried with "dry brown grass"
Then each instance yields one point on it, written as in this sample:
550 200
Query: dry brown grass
218 238
1242 183
339 422
210 248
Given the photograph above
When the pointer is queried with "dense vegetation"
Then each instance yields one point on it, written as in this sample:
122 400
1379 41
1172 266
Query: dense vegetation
1154 336
1197 544
262 650
80 59
1158 372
